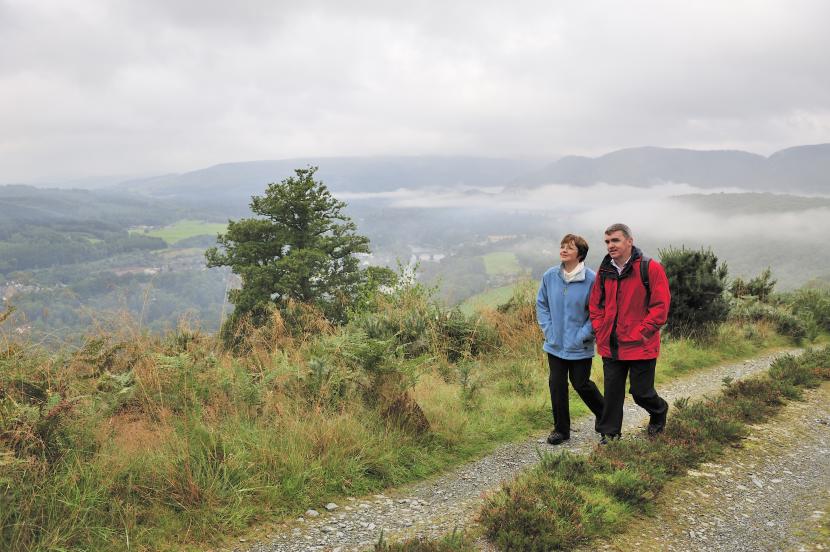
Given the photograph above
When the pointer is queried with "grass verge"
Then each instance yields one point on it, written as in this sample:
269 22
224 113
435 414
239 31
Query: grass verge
570 499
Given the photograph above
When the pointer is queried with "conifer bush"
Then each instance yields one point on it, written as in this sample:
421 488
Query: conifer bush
300 246
697 283
760 287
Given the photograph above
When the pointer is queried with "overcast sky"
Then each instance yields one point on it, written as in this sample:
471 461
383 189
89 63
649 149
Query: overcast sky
96 87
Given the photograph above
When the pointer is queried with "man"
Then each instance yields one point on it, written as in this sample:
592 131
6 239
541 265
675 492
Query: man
628 305
562 312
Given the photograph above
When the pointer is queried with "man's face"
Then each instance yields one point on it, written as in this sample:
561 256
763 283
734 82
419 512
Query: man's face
619 247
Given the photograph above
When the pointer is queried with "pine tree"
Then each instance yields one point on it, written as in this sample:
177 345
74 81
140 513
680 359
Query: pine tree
761 286
300 247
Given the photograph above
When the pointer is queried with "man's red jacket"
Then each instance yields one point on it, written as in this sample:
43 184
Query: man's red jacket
626 327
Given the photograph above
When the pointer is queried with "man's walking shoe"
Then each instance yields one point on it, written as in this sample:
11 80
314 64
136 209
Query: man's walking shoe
608 437
556 438
656 424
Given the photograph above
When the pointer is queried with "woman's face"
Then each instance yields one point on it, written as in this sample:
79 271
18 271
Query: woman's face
568 252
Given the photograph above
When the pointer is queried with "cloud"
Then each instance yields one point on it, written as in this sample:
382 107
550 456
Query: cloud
96 86
653 212
551 198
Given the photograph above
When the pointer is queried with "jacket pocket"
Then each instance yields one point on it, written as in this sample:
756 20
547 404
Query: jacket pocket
552 337
628 331
572 340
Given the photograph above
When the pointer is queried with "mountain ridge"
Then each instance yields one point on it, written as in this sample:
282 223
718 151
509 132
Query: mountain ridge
803 168
800 169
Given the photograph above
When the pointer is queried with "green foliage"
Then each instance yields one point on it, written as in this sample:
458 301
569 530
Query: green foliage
412 316
697 284
300 247
65 303
548 508
751 309
453 542
807 370
812 306
522 298
32 247
491 298
760 287
79 210
470 385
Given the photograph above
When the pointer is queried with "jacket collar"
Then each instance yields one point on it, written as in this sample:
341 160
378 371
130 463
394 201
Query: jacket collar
580 276
609 270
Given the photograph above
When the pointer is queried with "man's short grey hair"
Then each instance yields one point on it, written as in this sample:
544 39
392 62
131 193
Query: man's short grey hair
619 227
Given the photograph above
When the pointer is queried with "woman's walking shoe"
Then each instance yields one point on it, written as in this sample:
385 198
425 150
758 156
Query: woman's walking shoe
556 438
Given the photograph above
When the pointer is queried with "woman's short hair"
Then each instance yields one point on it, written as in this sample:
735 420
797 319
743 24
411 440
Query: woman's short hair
579 242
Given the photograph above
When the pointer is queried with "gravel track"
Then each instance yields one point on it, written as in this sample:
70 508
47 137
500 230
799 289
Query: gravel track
450 501
769 495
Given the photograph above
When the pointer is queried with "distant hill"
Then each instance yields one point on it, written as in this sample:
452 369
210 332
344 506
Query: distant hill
47 206
228 187
752 203
802 169
236 182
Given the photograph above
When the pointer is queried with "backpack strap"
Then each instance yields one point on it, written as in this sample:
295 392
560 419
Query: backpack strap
601 275
644 264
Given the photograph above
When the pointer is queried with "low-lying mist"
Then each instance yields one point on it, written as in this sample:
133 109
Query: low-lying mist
749 231
659 211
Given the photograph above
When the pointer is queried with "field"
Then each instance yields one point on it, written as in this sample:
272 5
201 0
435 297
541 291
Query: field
501 263
185 229
492 298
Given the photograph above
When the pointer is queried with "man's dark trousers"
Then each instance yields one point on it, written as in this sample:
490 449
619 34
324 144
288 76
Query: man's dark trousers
642 389
580 373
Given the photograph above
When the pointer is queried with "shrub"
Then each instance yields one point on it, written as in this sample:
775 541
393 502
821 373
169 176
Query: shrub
760 287
454 542
697 286
812 306
413 318
470 384
535 514
750 309
275 326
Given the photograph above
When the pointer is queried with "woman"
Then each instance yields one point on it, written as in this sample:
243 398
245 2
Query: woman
562 312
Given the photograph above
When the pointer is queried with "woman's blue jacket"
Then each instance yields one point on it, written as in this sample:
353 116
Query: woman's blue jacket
562 312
